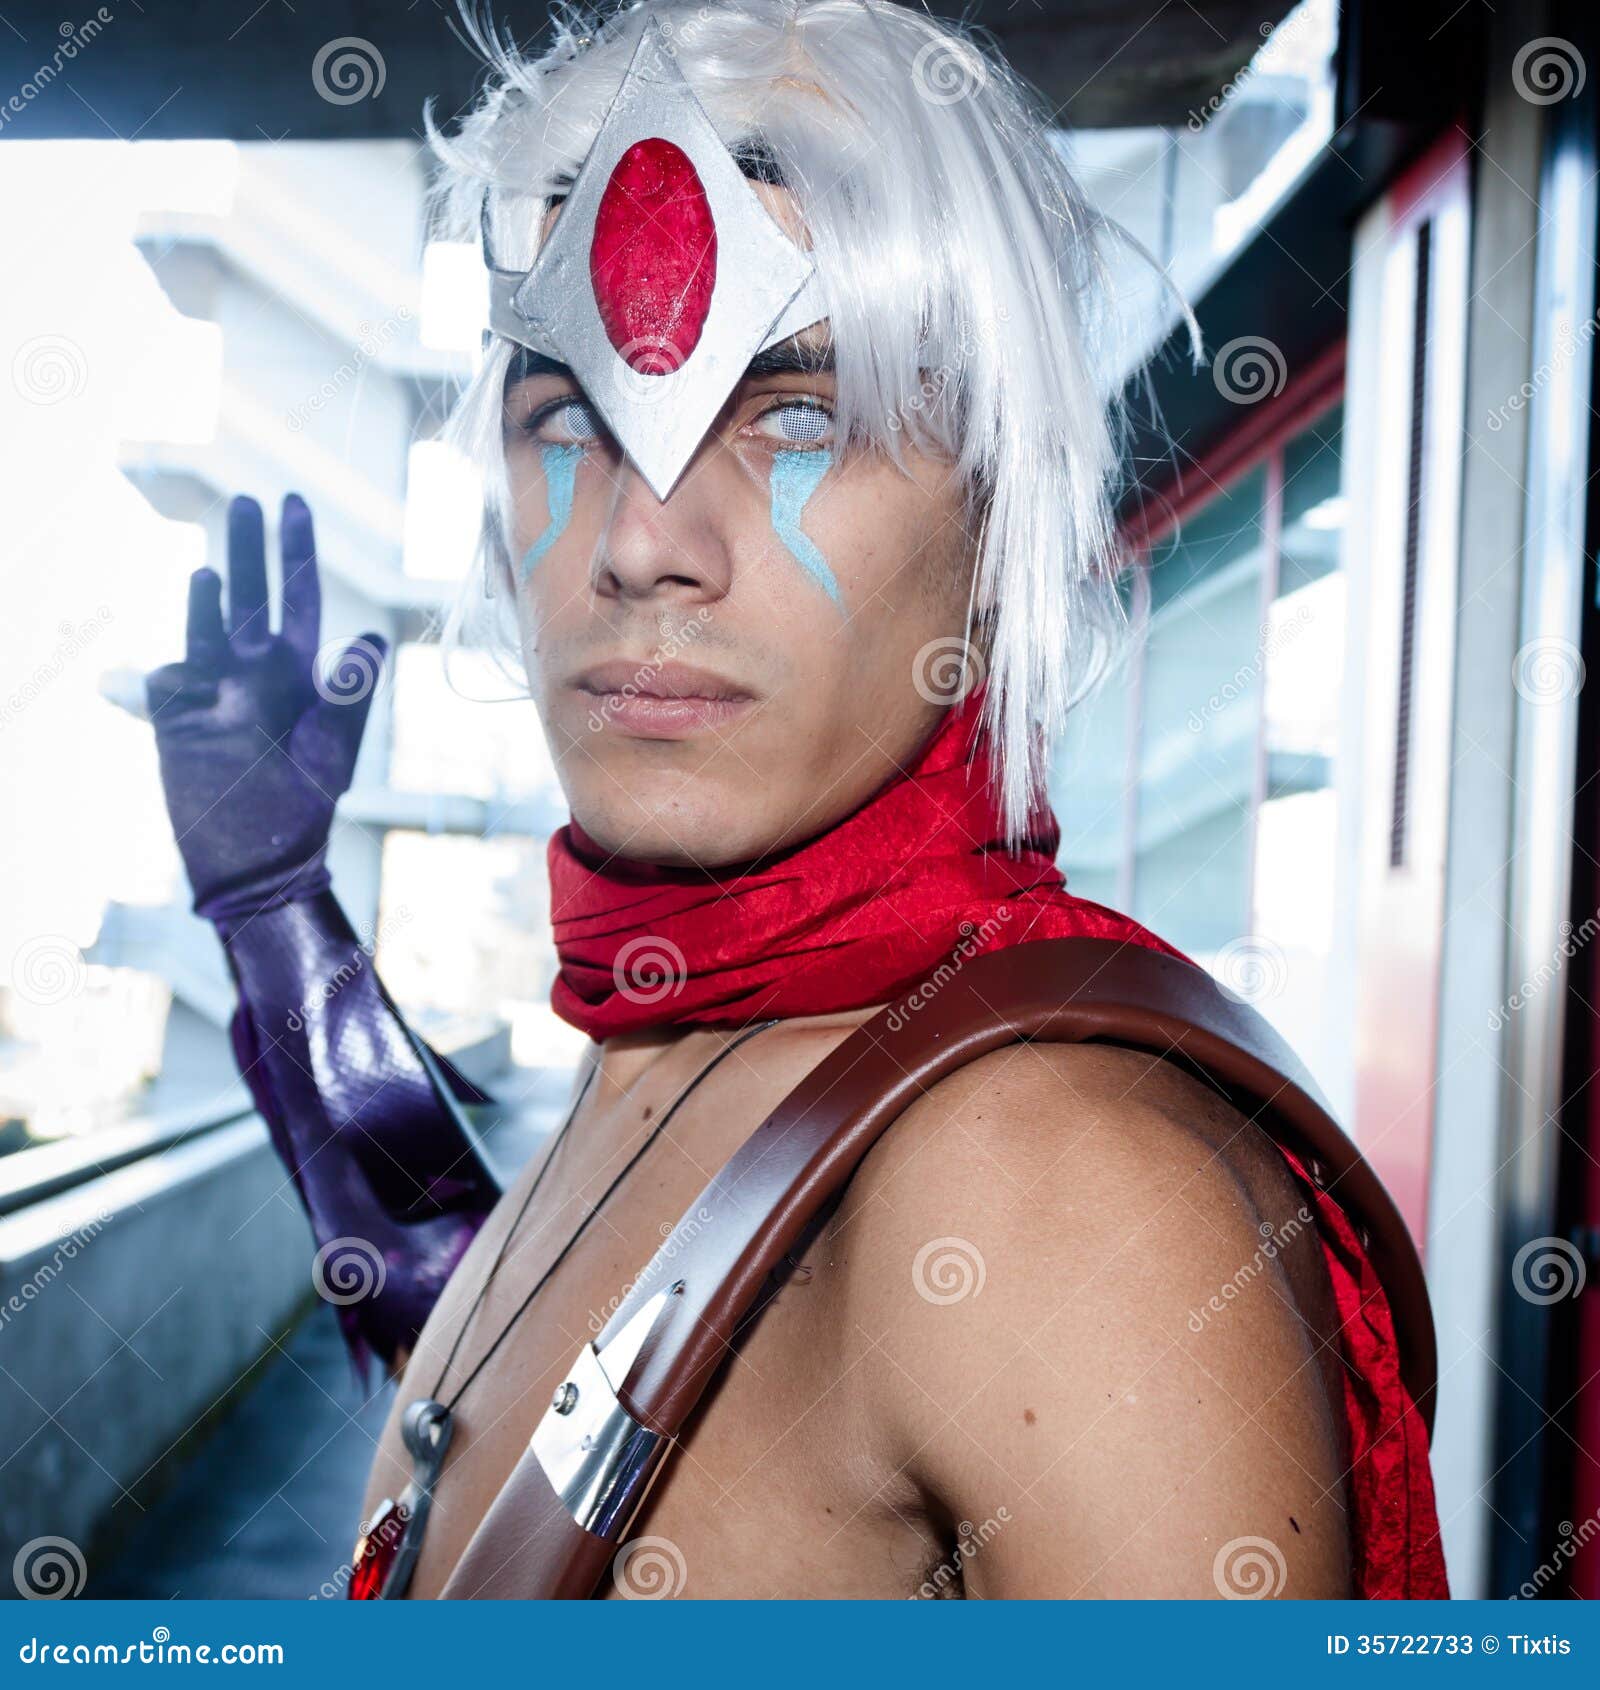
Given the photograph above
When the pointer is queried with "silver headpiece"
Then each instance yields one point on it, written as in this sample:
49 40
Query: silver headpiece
663 276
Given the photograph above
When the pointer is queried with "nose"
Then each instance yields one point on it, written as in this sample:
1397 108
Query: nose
670 549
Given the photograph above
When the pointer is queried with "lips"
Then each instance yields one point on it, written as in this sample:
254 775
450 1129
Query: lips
659 701
657 680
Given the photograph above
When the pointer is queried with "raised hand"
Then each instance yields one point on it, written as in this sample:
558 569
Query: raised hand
258 741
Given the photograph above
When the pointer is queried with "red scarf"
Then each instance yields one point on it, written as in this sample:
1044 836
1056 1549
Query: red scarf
858 916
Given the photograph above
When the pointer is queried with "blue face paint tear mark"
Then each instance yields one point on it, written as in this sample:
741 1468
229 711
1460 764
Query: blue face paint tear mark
560 472
795 476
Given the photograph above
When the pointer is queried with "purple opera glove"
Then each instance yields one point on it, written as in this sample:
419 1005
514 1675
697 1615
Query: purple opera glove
360 1112
256 746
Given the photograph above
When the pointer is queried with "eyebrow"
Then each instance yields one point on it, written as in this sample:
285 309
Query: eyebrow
788 357
791 357
530 363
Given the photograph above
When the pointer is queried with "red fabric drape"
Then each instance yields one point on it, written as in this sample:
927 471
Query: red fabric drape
858 916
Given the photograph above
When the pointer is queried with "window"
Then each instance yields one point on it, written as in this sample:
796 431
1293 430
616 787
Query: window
1196 790
240 318
1199 720
1193 193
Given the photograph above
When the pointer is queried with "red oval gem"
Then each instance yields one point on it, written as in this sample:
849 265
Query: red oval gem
375 1551
653 258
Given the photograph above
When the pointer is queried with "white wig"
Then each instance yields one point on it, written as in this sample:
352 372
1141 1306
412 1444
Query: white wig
960 270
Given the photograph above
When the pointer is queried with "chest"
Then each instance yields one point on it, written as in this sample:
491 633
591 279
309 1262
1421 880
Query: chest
779 1487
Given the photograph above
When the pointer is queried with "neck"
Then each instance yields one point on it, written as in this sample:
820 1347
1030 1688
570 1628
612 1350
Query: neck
625 1058
856 916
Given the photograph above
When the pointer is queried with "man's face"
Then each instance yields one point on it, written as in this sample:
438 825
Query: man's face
736 669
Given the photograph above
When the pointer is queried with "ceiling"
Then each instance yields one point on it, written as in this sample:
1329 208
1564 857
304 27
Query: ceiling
241 69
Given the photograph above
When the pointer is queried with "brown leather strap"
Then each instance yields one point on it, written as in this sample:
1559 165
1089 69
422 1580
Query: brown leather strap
802 1155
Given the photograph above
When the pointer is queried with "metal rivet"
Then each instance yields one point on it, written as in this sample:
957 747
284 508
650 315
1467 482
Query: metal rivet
565 1399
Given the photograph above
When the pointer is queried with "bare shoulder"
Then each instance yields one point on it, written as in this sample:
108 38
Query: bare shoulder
1077 1150
1098 1302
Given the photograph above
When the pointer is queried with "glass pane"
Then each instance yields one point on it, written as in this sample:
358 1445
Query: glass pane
1296 845
1194 193
1089 787
1199 729
111 993
460 727
227 318
464 933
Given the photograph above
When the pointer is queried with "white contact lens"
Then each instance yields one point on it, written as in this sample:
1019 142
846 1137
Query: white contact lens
803 424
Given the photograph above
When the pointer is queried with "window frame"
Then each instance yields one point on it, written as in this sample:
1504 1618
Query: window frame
1259 442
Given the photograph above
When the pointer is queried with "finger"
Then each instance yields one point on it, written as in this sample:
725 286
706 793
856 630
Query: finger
175 686
247 575
334 725
128 690
302 591
207 641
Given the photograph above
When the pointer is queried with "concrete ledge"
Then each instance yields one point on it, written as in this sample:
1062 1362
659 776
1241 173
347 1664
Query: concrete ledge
137 1306
130 1307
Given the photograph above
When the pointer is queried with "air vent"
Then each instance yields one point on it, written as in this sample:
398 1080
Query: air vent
1400 815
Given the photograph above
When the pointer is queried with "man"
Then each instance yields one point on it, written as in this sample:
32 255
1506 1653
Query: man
792 403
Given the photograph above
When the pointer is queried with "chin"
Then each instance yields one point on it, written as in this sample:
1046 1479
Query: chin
655 820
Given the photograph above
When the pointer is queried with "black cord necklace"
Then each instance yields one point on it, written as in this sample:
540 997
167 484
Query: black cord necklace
386 1553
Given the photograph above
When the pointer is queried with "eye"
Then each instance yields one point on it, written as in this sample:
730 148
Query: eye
565 422
797 422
